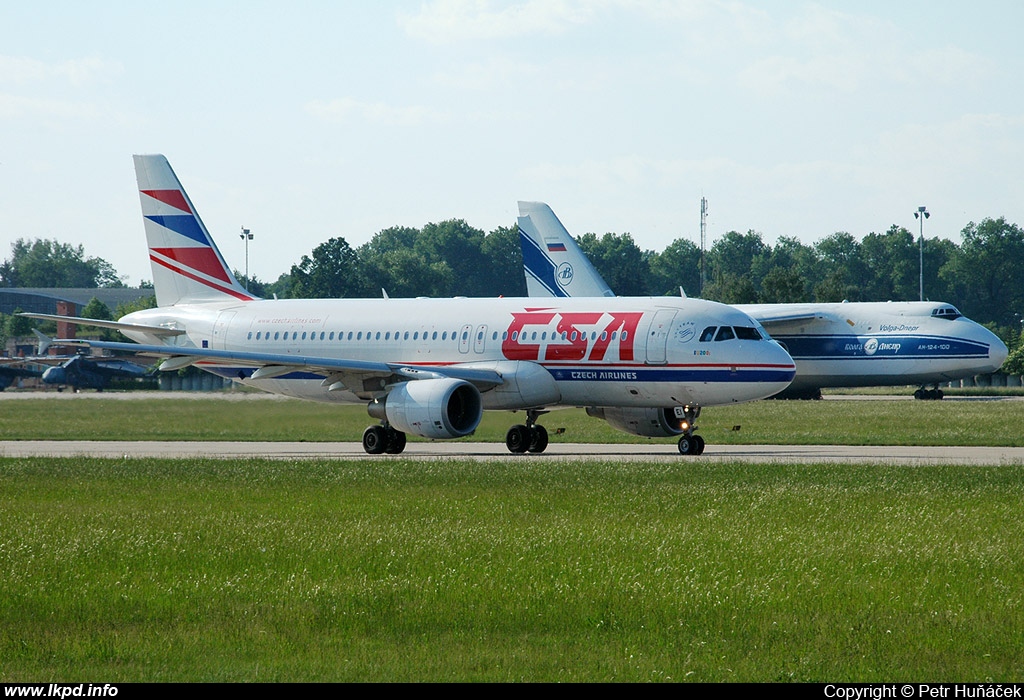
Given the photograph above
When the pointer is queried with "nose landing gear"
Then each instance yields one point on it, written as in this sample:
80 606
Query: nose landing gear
689 443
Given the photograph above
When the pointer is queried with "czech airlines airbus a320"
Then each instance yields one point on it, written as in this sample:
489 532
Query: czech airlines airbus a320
429 367
848 344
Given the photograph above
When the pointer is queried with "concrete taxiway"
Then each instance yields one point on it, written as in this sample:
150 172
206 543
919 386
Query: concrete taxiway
904 455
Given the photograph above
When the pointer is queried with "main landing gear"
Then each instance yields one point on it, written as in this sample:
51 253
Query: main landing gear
689 443
531 437
378 439
923 394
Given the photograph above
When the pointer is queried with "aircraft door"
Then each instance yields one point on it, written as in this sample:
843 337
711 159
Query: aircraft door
480 339
464 338
657 336
220 330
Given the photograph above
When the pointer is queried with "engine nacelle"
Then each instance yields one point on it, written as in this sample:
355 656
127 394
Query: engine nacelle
431 408
648 422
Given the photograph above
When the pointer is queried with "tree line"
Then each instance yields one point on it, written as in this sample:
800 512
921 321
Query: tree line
981 275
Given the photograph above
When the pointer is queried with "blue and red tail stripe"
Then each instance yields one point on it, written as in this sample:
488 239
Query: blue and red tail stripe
174 198
198 263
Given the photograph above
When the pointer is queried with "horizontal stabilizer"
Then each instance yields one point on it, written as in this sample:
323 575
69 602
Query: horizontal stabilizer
116 325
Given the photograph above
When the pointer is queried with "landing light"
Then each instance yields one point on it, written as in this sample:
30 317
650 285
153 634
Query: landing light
684 425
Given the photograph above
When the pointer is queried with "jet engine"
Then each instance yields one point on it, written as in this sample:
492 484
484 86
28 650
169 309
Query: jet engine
648 422
431 408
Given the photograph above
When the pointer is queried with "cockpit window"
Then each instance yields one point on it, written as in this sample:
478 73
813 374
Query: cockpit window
719 333
947 312
747 333
724 333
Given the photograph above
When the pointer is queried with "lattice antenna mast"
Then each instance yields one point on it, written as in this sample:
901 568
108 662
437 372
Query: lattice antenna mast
703 230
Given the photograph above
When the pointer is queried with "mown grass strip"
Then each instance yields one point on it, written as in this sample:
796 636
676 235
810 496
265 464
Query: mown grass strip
840 422
259 570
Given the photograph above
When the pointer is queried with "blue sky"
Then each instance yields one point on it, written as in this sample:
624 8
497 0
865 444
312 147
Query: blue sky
308 120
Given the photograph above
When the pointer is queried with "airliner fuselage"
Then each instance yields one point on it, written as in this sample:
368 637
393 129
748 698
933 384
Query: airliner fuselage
617 352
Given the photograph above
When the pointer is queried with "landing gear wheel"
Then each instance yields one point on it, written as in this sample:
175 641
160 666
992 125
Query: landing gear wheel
518 439
538 439
395 441
375 439
691 445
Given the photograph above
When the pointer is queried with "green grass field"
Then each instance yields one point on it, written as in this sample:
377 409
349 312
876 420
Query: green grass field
846 421
178 570
524 570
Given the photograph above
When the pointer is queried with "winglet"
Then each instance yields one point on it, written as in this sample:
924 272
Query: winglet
44 341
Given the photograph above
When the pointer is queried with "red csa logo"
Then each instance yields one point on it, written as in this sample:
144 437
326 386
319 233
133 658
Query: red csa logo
568 341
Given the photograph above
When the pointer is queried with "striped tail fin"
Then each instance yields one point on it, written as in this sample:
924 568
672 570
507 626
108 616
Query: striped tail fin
187 267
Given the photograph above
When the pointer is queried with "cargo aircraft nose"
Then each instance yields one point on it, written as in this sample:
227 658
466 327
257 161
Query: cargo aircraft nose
997 351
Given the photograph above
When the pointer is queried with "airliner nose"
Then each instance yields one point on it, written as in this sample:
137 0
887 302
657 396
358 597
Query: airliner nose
779 365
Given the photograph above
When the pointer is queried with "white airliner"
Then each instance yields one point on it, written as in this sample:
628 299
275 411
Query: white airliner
431 366
849 344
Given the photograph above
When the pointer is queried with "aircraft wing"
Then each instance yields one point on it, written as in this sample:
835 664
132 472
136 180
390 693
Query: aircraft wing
352 373
776 319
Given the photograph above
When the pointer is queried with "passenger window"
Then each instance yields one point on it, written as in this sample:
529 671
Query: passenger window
708 334
724 333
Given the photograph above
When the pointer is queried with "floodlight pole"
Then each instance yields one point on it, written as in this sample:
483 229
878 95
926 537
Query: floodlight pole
921 214
246 236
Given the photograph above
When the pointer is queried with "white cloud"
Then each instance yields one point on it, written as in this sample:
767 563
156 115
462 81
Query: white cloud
17 106
78 72
344 109
448 20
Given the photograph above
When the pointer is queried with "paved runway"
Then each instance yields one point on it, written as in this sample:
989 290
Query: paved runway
480 450
460 449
